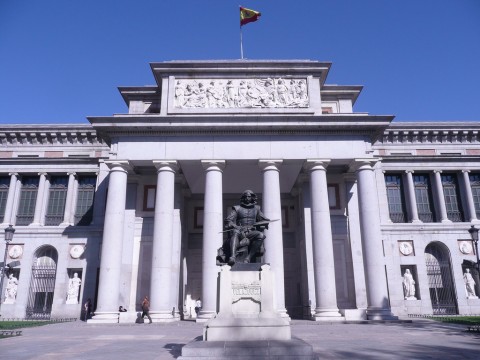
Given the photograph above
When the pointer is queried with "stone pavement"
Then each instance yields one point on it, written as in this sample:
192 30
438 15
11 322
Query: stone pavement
419 339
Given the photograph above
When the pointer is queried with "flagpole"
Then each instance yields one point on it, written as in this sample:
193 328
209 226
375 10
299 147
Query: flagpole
241 43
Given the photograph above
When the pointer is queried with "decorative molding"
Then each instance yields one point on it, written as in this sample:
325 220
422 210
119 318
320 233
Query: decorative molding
41 137
445 136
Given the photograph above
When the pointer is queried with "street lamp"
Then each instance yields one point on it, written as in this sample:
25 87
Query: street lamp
9 231
474 234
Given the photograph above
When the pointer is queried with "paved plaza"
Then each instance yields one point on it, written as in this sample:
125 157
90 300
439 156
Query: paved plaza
419 339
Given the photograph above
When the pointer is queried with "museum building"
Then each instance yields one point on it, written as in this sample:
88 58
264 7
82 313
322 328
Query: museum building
373 215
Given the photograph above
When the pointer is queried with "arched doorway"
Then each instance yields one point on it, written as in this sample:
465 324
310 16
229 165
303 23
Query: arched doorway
440 280
42 283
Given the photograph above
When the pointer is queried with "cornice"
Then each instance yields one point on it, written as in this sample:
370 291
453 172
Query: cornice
444 134
37 135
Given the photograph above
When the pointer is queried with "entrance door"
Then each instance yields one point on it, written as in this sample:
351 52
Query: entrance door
440 283
42 284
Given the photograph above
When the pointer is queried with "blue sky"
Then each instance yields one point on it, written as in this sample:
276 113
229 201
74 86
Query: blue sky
62 60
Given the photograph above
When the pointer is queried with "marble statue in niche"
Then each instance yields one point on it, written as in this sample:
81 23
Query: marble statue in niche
73 289
11 290
240 93
408 285
469 285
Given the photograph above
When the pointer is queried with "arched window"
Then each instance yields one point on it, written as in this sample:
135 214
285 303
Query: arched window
440 280
42 283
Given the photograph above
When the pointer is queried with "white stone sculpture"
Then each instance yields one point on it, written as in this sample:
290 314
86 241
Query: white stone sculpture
408 286
73 289
15 252
240 93
469 285
11 290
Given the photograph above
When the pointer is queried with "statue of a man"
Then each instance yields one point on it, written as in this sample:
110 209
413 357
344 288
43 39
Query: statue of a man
244 225
73 289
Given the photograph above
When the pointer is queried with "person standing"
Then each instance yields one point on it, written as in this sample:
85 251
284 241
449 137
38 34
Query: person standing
146 309
198 306
87 307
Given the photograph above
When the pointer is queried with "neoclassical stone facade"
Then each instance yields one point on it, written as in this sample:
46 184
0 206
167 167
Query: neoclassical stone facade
134 204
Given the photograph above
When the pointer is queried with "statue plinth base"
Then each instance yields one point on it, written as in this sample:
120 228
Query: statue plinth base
247 325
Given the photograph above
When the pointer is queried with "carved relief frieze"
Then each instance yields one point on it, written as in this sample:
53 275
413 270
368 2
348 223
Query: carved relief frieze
241 93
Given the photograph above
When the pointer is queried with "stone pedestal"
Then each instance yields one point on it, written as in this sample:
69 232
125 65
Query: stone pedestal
247 325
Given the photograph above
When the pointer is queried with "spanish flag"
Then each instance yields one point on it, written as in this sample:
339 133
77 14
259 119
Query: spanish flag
248 16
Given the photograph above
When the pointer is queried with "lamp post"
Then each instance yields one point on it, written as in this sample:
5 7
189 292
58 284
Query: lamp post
474 234
9 231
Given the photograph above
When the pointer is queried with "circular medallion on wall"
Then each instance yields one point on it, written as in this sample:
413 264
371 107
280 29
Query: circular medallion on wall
15 251
76 251
465 247
406 248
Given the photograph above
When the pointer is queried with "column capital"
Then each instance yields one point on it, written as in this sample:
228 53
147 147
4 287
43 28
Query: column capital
316 164
270 164
71 173
363 164
13 174
437 171
409 171
218 165
466 171
43 173
166 165
116 164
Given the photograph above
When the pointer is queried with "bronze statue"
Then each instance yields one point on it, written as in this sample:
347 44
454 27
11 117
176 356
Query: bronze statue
244 227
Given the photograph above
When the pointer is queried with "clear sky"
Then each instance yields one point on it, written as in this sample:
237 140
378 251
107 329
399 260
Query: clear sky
62 60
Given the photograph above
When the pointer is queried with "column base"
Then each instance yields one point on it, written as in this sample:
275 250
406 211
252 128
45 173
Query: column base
416 221
162 317
446 221
284 314
327 315
104 318
380 314
204 316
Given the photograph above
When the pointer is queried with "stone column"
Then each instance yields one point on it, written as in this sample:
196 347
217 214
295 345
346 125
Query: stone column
68 214
212 236
374 262
7 218
325 287
160 280
111 260
440 197
178 212
39 205
412 200
468 193
272 209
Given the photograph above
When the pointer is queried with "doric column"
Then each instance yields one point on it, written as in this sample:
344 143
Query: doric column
39 205
7 218
440 197
468 193
272 209
111 260
323 263
212 236
412 200
68 213
374 263
160 280
177 247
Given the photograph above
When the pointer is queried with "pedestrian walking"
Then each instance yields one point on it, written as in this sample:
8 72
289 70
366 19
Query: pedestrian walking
146 309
